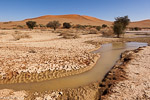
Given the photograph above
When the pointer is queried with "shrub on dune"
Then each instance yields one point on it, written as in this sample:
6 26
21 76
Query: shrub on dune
54 24
31 24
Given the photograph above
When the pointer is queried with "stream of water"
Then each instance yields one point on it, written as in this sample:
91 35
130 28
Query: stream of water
110 53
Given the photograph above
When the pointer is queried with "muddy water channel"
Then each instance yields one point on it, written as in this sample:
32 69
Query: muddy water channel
110 53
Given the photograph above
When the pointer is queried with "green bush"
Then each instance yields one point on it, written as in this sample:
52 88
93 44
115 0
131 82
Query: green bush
66 25
120 25
53 24
137 28
104 26
78 26
118 29
98 28
31 24
41 25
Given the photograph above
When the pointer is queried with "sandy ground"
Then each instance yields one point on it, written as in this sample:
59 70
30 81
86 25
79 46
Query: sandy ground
136 80
45 53
43 56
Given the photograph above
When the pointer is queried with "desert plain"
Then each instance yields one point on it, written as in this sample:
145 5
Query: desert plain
38 55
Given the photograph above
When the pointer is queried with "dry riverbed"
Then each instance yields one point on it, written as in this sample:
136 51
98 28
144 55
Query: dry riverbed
46 55
43 55
35 59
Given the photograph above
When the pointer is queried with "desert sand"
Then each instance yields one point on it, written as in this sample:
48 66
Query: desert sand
44 55
141 24
73 19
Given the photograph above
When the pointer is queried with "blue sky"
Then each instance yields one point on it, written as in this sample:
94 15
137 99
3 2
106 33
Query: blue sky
11 10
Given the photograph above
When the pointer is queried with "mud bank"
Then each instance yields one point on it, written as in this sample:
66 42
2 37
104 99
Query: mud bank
115 80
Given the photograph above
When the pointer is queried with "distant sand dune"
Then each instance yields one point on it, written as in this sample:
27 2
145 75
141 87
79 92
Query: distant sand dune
142 24
71 18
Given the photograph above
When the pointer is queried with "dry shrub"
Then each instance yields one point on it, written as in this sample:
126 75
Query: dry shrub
18 35
3 33
93 31
61 34
71 36
7 22
66 32
32 51
107 32
44 30
57 31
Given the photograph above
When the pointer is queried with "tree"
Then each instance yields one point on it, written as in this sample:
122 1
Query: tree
66 25
31 24
53 24
104 26
98 28
118 29
120 25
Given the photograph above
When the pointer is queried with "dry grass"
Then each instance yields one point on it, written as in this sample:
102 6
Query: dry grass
107 32
69 34
18 35
93 31
63 32
3 33
32 51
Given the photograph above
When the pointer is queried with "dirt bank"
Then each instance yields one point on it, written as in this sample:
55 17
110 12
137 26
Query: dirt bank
129 77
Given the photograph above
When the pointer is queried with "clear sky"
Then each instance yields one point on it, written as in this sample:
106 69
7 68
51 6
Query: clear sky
11 10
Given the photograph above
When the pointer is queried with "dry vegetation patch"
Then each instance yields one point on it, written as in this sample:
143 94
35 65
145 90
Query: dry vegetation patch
107 32
69 34
19 35
3 33
93 31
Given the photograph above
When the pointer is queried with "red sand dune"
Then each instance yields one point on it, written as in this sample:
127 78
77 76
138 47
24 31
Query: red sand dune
141 24
73 19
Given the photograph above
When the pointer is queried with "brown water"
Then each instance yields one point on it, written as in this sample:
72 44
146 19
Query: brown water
110 53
